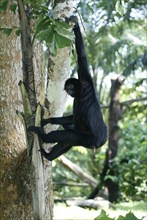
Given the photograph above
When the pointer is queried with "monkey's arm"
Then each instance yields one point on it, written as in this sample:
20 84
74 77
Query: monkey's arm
83 70
65 120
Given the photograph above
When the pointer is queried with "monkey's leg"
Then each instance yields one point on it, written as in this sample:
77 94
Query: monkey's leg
55 152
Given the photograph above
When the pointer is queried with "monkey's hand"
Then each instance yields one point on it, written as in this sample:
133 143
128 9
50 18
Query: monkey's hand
73 20
35 129
46 121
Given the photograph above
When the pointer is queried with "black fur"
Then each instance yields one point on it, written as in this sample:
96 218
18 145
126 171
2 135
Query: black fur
86 126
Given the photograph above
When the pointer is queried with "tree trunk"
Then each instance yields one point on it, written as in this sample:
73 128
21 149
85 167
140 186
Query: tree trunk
110 167
32 115
15 191
15 197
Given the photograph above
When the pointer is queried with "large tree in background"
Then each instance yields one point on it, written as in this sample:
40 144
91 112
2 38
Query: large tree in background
25 179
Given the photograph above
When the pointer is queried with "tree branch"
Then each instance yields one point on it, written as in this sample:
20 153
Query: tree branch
128 102
78 171
125 103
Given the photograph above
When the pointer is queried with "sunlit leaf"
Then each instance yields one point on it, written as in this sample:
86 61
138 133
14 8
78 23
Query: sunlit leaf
64 32
120 7
121 217
131 216
103 216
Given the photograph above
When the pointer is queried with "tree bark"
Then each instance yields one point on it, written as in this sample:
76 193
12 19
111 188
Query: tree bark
32 115
110 168
14 192
15 196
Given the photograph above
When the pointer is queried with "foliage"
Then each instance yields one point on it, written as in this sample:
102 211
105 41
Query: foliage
67 180
116 44
4 5
104 216
132 158
54 33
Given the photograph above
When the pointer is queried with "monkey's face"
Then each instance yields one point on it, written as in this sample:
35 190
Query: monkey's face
71 90
72 87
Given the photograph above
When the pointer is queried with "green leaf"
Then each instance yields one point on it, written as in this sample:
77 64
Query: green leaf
131 216
46 35
43 24
64 32
112 178
103 216
18 32
128 216
13 8
6 31
120 7
53 47
50 35
62 24
64 29
62 41
3 5
121 217
54 33
140 82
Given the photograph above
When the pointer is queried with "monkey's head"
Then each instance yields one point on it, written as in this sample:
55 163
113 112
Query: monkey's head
73 87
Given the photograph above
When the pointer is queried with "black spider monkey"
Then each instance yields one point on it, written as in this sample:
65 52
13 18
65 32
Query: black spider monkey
86 126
